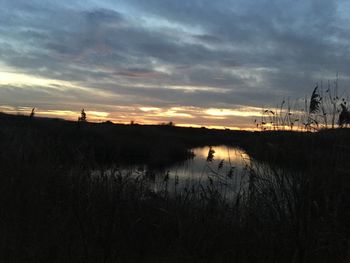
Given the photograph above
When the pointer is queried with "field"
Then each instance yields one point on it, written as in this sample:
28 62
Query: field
53 210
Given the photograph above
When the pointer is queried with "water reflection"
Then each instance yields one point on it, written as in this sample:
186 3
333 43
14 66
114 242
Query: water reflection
225 170
222 168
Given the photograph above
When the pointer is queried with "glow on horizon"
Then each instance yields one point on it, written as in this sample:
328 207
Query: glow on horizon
147 117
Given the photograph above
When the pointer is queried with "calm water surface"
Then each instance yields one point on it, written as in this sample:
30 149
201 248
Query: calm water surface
226 170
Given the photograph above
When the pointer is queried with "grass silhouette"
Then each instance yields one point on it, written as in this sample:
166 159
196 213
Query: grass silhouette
53 209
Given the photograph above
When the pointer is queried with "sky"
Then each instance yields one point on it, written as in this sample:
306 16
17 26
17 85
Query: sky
194 62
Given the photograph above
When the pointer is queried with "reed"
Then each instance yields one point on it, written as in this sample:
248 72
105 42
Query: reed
325 108
64 197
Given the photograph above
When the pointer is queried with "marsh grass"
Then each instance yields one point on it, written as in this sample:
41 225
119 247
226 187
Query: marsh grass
325 108
54 209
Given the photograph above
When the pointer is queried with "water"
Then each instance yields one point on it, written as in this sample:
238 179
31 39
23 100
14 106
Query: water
225 169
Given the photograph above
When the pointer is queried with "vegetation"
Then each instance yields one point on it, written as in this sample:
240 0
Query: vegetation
82 117
54 209
325 109
32 113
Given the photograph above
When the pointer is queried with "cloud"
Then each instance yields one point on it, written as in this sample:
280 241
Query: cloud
165 53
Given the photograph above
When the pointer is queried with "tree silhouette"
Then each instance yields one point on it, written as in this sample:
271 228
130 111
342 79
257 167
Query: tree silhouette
82 117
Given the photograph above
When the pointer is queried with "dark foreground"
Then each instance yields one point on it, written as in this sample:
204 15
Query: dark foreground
53 210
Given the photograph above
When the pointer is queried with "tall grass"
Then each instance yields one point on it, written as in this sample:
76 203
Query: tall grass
321 110
54 209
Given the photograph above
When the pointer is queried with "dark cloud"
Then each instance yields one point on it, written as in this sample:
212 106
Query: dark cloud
232 52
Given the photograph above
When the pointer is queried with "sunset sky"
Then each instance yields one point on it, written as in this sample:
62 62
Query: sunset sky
194 62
